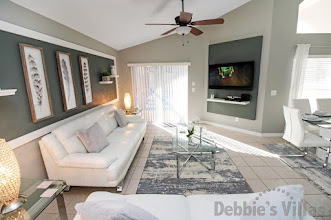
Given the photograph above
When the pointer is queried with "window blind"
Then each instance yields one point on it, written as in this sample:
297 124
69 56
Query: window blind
161 92
317 80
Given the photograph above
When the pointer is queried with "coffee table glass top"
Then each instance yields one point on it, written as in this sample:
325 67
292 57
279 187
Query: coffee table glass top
34 205
200 141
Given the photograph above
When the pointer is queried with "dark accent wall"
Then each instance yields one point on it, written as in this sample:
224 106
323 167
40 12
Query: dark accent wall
249 49
15 115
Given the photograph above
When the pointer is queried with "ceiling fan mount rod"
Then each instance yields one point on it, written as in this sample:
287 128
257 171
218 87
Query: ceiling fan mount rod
183 5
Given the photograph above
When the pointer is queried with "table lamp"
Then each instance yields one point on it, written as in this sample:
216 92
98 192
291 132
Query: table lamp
127 101
10 180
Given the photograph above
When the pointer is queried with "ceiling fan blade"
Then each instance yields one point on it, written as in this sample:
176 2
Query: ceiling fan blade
185 17
168 32
160 24
196 31
208 22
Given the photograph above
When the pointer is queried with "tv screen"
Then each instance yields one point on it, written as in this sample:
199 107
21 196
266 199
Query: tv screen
231 76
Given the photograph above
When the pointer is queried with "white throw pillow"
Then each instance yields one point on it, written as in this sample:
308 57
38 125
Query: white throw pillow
93 138
112 210
121 118
280 203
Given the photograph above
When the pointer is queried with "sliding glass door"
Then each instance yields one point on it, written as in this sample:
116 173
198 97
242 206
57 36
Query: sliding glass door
161 92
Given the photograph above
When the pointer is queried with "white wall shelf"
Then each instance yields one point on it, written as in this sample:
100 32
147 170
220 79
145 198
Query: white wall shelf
105 82
228 101
114 76
7 92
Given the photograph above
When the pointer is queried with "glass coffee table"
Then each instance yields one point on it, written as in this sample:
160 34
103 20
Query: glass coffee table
34 204
199 143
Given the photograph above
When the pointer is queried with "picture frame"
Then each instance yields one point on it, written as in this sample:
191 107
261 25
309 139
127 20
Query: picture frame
67 81
86 79
36 82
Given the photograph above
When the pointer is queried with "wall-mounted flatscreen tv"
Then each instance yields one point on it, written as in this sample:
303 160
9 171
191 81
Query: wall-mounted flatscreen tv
238 76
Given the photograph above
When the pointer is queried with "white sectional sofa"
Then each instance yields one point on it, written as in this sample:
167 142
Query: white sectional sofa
66 158
178 207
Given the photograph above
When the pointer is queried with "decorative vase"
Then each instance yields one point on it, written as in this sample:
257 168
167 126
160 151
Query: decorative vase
113 71
105 78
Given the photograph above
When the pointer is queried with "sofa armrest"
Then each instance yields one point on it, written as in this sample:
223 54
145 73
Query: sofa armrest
87 160
53 146
134 118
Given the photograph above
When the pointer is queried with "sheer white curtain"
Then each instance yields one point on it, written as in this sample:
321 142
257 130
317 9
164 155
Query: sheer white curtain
298 71
161 92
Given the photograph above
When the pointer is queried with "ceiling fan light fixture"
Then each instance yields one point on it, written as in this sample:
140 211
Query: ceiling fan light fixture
183 30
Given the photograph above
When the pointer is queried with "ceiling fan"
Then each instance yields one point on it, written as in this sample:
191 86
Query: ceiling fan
184 20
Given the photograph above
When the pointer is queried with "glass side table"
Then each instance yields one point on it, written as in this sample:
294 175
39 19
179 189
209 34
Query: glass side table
34 205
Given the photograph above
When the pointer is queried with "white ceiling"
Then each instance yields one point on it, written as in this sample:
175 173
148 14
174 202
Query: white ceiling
314 16
121 23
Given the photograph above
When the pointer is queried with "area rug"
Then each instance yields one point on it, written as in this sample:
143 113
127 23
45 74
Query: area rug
160 173
321 178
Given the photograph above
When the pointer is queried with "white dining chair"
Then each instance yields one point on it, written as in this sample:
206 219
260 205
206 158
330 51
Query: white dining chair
304 106
324 105
297 136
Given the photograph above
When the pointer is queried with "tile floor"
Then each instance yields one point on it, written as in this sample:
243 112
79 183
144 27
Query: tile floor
261 173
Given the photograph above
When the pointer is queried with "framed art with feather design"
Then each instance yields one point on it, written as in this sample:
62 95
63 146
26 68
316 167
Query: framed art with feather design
86 79
66 79
36 82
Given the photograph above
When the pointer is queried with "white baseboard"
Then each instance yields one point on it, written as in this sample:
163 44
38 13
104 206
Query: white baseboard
20 141
244 130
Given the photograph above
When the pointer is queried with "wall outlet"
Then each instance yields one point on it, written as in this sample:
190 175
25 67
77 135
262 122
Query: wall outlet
193 83
273 92
193 89
236 119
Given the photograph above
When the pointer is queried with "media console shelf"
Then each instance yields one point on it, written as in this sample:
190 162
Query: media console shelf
229 102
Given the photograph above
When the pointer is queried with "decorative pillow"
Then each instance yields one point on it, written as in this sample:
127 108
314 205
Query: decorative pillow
121 118
93 138
112 210
280 203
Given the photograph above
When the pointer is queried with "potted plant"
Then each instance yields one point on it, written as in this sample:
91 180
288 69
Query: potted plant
105 76
190 130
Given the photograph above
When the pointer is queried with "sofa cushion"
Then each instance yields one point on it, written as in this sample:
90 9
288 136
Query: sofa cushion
90 160
112 210
121 118
93 138
112 122
164 207
133 126
124 151
124 136
67 135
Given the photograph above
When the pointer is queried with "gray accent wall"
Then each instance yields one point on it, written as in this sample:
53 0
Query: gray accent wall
232 52
15 110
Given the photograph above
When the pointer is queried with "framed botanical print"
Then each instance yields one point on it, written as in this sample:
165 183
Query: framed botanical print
66 79
36 82
86 79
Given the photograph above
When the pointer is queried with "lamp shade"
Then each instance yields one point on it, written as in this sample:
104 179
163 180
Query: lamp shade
127 101
10 178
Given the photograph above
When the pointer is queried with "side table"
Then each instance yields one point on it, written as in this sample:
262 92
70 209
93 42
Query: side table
34 205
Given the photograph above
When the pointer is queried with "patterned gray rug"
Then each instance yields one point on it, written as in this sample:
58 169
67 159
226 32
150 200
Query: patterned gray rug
159 176
319 177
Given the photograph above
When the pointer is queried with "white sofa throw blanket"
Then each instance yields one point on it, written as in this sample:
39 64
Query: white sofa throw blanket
112 210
